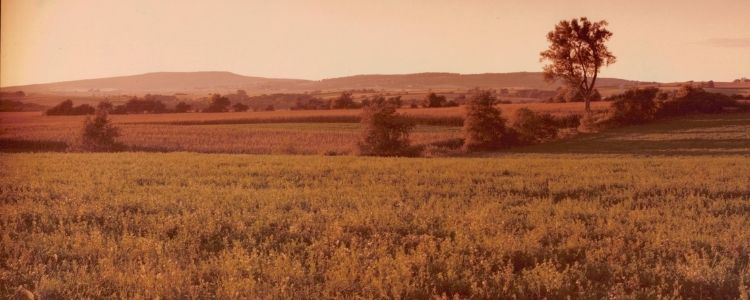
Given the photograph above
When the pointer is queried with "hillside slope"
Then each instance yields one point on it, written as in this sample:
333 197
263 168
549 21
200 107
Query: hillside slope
212 82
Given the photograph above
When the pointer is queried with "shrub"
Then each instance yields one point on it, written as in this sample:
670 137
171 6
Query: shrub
182 107
218 104
564 94
691 100
66 108
98 133
344 101
635 106
484 126
433 100
240 107
385 133
532 128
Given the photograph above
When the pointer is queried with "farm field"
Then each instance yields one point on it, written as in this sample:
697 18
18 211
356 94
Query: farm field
278 132
556 221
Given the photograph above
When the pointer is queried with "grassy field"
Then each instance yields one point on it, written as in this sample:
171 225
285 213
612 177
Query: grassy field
636 213
505 224
192 225
278 132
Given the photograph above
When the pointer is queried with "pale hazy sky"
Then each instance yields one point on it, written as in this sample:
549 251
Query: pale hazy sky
55 40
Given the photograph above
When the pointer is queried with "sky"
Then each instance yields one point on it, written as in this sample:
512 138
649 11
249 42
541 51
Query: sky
55 40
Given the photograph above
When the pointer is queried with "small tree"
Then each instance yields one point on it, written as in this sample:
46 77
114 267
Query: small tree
345 100
532 128
240 107
98 132
635 106
182 107
576 53
484 126
384 132
219 103
433 100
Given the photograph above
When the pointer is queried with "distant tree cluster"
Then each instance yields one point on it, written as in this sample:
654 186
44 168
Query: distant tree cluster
435 100
218 103
146 105
66 108
566 94
638 106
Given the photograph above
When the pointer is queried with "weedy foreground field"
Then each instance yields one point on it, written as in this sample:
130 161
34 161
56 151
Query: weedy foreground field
529 226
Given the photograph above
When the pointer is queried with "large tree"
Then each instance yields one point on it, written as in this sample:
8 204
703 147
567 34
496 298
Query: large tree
576 53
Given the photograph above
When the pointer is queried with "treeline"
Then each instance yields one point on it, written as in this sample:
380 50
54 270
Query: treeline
639 106
386 132
13 105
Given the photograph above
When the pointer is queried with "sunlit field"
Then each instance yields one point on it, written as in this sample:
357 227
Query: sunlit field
134 225
643 212
278 132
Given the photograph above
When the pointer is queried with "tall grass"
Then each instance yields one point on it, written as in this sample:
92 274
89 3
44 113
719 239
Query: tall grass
135 225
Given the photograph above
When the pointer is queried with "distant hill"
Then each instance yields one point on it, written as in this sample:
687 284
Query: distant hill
222 82
524 80
161 82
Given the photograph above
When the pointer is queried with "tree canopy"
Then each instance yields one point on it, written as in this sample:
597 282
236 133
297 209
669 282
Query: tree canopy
576 53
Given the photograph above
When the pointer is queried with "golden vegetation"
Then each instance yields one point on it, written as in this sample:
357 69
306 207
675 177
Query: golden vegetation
135 225
313 132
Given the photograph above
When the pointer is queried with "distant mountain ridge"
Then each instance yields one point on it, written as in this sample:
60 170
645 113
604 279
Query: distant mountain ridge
219 82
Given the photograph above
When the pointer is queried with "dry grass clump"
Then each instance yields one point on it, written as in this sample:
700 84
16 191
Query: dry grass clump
181 225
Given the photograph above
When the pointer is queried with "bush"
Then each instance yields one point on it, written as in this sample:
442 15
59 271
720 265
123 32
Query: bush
484 126
182 107
240 107
218 104
385 133
434 100
635 106
691 100
565 94
531 128
344 101
66 108
98 133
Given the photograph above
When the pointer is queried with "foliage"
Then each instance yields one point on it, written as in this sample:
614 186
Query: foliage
635 106
240 107
98 133
532 128
384 132
576 53
484 126
14 105
151 104
66 108
186 225
434 100
344 101
219 103
690 100
182 107
565 94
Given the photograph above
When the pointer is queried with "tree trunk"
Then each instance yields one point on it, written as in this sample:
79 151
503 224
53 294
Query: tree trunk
588 105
